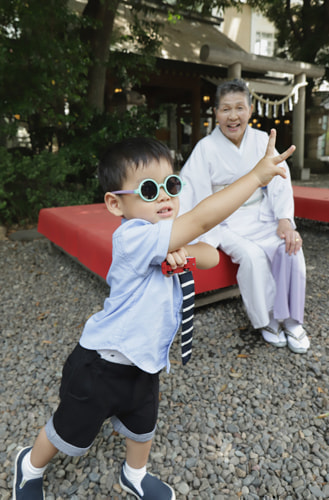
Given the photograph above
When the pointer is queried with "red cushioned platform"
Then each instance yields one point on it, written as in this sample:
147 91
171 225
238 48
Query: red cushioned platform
85 232
311 203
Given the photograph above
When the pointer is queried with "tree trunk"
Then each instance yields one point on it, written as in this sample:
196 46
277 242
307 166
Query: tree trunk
102 12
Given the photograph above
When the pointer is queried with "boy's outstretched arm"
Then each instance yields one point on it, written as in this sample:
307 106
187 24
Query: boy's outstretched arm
217 207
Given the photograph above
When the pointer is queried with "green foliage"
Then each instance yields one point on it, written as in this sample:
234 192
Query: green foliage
302 28
90 142
29 182
43 64
46 62
203 7
44 68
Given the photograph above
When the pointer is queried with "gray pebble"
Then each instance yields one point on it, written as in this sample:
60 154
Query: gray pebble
220 437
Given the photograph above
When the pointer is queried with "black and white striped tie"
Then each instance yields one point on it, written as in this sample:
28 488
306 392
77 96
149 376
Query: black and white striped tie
187 284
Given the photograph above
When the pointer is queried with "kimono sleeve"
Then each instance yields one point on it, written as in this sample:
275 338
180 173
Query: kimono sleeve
197 177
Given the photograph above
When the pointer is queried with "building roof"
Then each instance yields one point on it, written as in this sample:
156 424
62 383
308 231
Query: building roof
181 41
199 41
214 55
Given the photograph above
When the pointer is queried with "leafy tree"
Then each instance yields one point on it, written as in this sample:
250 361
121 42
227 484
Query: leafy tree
52 60
54 66
98 34
100 16
43 65
302 28
144 35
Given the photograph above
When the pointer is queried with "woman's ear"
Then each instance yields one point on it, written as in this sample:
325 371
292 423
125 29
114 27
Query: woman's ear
251 109
112 202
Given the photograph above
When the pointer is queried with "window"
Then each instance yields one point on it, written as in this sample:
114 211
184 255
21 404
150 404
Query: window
264 44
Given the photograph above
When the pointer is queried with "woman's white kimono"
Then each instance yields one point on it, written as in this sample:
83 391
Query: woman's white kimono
249 235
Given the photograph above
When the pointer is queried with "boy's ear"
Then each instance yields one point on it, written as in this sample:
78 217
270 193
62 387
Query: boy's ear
112 202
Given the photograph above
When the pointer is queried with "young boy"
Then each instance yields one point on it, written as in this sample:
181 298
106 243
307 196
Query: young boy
114 370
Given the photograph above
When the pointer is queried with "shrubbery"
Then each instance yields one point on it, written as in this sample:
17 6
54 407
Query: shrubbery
50 76
29 182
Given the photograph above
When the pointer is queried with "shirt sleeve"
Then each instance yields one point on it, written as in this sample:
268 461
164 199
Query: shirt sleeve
140 245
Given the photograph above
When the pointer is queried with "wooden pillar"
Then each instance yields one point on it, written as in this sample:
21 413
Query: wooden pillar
173 127
179 128
298 132
234 70
196 106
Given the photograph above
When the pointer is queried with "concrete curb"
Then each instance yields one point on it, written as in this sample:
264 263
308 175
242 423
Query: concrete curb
26 235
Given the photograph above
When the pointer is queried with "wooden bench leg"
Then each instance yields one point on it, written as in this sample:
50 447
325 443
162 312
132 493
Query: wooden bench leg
207 298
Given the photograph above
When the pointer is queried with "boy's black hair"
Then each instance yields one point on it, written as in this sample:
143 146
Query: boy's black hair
235 85
129 153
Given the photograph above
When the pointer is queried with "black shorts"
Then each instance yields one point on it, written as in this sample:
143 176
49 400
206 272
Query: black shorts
93 390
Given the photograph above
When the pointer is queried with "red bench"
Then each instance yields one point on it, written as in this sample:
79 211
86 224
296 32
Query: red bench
311 203
85 233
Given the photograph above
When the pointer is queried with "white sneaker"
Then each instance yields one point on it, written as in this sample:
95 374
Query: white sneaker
298 341
274 337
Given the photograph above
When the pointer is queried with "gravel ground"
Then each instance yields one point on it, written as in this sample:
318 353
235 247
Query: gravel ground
239 421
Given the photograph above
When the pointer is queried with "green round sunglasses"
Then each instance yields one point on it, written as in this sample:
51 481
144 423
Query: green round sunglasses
149 189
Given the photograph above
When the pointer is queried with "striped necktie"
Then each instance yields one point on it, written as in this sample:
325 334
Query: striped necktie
187 284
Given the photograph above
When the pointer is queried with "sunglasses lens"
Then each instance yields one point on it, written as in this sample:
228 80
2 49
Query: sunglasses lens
149 190
174 185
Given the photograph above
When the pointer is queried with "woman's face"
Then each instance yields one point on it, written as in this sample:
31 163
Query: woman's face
232 115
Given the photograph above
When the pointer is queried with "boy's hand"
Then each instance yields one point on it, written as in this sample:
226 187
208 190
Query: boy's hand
267 167
177 258
189 265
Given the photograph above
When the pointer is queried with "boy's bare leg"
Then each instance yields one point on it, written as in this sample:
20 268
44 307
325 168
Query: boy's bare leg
137 453
136 480
43 450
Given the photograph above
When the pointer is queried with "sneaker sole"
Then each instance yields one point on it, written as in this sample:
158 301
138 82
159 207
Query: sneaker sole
127 489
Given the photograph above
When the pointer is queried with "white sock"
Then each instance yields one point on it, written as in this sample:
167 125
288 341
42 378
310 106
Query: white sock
274 324
293 325
135 476
29 471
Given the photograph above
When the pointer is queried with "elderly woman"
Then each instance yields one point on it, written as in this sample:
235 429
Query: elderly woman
260 236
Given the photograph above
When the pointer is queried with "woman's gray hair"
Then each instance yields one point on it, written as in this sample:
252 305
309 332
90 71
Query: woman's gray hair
235 85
